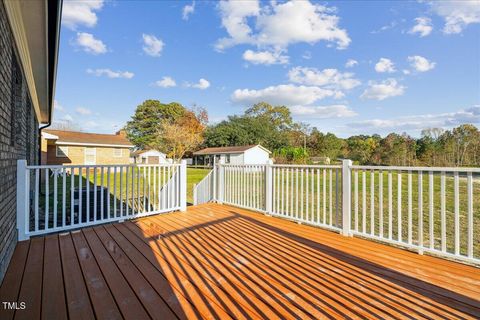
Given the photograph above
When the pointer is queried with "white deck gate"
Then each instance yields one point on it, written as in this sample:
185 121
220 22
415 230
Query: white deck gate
56 198
435 210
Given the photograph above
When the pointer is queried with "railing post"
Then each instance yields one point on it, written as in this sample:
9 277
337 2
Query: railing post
214 177
23 200
346 196
220 181
268 187
183 185
194 194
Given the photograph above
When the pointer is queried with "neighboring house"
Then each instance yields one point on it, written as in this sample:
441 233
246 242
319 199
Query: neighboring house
149 157
29 33
252 154
81 148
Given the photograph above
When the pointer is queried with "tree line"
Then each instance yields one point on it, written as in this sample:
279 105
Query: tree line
178 131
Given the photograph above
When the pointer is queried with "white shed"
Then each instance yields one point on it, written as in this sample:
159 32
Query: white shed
252 154
150 157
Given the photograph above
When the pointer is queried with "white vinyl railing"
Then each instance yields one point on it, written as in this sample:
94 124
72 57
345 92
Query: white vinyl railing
57 198
435 210
426 209
203 191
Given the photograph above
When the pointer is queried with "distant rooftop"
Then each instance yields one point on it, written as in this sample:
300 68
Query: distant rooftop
234 149
75 137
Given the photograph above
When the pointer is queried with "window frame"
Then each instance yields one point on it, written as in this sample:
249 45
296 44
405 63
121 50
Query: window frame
65 154
117 149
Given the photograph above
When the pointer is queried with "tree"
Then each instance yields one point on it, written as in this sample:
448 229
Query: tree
182 135
142 129
261 124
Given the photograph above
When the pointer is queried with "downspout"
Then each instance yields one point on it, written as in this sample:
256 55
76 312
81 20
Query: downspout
54 11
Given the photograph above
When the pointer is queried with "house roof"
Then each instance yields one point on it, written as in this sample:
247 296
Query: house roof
83 138
139 152
234 149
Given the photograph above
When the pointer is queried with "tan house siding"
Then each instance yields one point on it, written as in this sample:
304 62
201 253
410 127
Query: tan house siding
76 156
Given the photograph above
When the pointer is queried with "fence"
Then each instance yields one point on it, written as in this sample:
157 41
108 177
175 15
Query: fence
56 198
435 210
203 191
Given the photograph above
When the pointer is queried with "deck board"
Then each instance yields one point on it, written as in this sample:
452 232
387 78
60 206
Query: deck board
220 262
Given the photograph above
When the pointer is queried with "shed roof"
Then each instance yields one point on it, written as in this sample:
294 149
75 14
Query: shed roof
234 149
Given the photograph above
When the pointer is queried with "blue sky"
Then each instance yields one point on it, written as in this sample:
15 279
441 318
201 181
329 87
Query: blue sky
350 67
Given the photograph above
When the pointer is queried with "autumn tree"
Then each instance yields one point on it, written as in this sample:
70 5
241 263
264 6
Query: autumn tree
182 135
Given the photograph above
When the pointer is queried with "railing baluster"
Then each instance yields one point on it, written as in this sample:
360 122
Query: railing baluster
55 198
87 195
390 206
330 198
380 203
47 198
443 217
372 202
64 196
102 196
430 211
95 191
318 196
457 213
410 206
72 198
399 206
420 211
108 195
364 201
469 215
114 192
355 195
80 189
324 196
307 204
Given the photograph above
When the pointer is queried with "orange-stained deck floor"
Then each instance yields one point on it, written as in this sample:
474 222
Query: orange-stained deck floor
221 262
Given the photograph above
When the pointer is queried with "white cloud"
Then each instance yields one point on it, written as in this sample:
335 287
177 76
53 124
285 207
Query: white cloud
76 13
83 111
351 63
329 78
420 63
202 84
166 82
423 26
265 57
89 44
188 10
385 65
111 74
417 122
284 94
457 14
323 112
152 45
380 91
279 24
57 106
391 25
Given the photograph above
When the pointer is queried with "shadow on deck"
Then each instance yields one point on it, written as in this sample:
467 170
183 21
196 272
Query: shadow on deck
220 262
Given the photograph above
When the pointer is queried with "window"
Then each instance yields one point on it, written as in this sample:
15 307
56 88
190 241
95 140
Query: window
227 158
62 152
16 101
117 153
90 156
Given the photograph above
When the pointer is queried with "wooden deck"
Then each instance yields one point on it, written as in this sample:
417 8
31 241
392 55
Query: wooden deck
220 262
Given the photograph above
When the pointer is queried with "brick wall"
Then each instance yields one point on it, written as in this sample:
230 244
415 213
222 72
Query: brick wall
18 136
76 155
